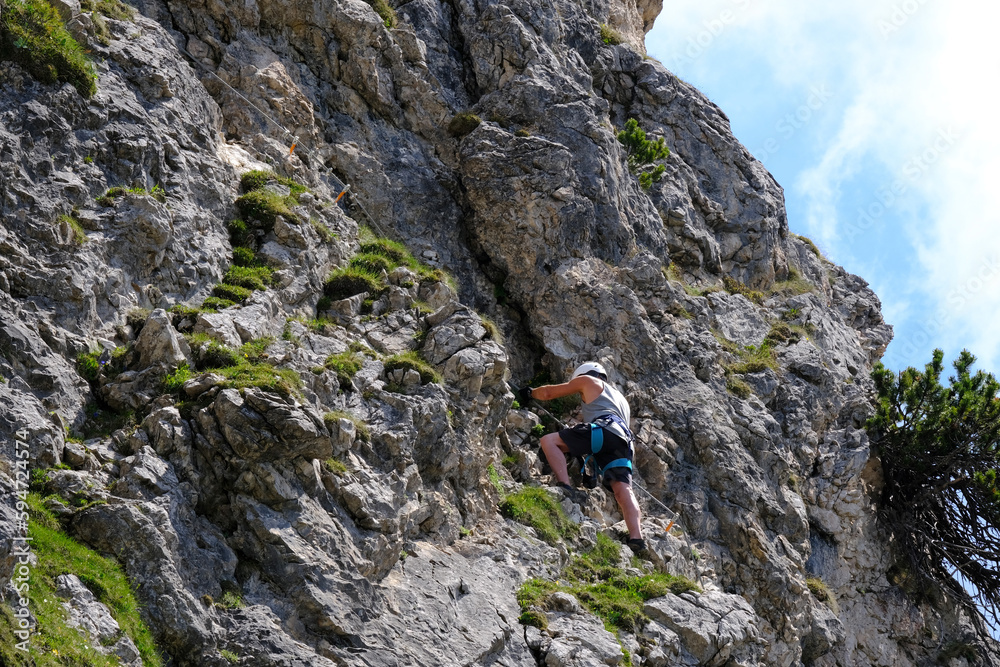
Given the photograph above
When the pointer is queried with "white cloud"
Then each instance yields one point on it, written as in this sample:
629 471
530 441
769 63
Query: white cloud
907 73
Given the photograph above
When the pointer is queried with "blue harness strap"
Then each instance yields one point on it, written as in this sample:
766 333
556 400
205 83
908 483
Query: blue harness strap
619 422
617 463
596 438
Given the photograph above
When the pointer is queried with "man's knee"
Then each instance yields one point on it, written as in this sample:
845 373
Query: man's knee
551 440
623 492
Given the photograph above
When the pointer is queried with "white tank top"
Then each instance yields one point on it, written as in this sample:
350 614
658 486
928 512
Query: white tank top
610 402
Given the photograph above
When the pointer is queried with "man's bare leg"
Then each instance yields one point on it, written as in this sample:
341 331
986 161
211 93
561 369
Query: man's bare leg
628 504
555 453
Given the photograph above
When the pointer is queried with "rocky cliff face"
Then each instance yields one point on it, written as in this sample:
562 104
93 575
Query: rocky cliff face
355 515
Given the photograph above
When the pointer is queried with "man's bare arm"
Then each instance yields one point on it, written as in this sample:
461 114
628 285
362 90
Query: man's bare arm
588 387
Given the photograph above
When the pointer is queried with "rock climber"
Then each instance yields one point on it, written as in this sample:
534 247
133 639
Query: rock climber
604 435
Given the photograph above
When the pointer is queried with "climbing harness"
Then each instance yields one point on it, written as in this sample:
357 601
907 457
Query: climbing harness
597 442
597 435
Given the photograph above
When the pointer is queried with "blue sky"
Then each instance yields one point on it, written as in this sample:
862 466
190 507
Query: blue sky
879 119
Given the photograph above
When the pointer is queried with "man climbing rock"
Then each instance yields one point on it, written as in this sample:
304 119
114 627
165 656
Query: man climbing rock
604 436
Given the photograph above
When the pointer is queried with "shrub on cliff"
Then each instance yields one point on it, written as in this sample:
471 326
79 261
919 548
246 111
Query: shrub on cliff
940 451
643 153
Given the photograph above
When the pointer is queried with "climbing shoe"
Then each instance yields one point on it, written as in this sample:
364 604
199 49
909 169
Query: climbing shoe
637 545
575 495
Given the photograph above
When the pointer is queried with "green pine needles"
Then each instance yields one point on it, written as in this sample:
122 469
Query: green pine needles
940 450
643 154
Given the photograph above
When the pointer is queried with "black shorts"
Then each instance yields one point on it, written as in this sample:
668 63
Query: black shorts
577 439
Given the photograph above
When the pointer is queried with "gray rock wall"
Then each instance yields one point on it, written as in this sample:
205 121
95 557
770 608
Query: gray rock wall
395 553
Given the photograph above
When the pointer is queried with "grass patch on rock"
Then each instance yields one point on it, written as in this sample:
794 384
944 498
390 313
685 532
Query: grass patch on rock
109 196
610 36
463 123
214 304
336 466
32 35
493 331
174 382
536 507
809 244
413 361
365 272
782 332
136 318
263 207
734 286
348 281
754 359
77 233
90 367
283 381
55 642
385 12
359 424
326 235
258 178
598 581
245 256
231 600
260 207
113 9
821 592
180 312
398 255
232 293
345 365
738 387
246 366
793 286
371 263
249 277
241 234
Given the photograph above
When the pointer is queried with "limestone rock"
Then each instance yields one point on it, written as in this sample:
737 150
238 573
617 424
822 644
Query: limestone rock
263 427
712 626
219 326
67 9
95 620
581 641
159 344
